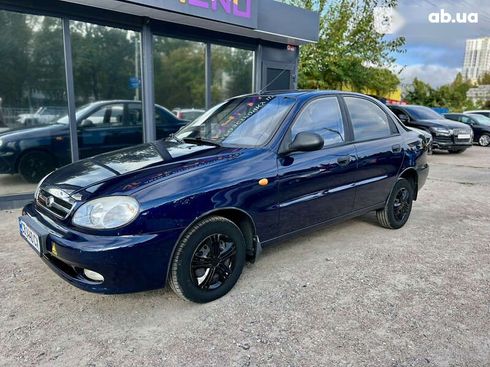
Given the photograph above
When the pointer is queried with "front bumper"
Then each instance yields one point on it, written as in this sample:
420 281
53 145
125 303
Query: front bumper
450 142
128 263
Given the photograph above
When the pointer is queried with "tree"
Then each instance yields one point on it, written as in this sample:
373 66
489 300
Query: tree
452 96
484 80
349 52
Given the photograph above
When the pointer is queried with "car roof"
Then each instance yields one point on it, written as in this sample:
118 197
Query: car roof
472 111
304 93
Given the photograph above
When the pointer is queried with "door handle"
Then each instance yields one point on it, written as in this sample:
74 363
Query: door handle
397 148
344 161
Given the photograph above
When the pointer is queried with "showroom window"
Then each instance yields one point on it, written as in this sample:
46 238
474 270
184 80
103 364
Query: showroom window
232 72
33 100
107 79
179 68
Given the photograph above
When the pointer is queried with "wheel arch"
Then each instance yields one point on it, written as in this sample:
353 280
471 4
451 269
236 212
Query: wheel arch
412 176
242 220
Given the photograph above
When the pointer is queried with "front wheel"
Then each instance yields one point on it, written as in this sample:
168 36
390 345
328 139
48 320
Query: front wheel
33 166
208 260
398 207
484 140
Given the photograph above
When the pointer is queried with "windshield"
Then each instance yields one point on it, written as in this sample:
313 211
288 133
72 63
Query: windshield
422 113
244 121
483 120
65 120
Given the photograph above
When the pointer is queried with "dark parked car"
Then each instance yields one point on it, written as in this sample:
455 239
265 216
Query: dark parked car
102 127
250 172
479 123
449 135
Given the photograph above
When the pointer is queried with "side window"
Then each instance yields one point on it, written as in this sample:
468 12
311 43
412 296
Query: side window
368 120
465 119
135 115
107 116
324 118
399 113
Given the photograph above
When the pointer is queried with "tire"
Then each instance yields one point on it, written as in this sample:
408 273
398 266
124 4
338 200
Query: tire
33 166
197 273
456 151
484 140
390 216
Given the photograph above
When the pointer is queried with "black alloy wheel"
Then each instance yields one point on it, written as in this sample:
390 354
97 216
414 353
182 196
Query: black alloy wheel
398 207
213 261
208 260
401 204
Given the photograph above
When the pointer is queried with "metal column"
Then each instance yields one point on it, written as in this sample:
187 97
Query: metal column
70 90
208 76
149 127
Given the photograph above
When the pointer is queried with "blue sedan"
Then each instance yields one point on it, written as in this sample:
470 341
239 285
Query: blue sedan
192 209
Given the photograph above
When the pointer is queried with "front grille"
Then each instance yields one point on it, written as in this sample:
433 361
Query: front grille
55 202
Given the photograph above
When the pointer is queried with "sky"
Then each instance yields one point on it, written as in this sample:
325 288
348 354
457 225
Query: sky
435 52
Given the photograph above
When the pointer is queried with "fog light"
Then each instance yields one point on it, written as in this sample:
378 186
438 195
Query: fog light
92 275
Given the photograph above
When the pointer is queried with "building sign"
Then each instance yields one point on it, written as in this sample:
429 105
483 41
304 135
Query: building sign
242 13
238 8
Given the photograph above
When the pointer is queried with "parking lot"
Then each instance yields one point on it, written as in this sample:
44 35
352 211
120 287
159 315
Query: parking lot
354 294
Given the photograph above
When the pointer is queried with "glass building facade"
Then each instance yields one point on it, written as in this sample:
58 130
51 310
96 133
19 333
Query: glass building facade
73 86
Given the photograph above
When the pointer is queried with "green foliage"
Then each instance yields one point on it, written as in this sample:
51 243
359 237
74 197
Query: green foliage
484 80
347 48
452 96
104 59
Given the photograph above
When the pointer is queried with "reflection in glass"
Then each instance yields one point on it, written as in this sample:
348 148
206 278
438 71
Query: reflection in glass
106 68
179 74
232 72
32 99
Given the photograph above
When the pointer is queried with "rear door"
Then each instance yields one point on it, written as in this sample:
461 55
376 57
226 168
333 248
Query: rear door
379 148
315 187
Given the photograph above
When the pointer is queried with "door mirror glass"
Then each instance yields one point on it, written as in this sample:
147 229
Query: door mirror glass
306 142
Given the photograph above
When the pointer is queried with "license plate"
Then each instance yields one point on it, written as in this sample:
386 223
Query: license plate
30 236
464 136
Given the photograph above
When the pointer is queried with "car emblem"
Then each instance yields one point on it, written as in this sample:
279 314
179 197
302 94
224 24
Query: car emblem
49 201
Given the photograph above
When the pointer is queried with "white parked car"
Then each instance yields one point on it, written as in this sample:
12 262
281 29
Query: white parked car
485 113
44 115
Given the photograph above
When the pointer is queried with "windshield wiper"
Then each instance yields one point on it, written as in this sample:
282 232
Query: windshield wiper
201 141
175 138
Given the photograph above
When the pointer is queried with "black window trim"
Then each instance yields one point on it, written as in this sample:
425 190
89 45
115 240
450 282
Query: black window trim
394 129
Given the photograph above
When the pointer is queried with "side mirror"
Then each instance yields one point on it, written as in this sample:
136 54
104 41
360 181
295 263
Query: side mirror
86 123
403 118
306 142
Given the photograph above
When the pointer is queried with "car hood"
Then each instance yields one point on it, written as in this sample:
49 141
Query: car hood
41 131
443 123
131 169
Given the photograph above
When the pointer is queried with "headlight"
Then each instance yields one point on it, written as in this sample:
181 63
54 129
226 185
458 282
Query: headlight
441 131
107 213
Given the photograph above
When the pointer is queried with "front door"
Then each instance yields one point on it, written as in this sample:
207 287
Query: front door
315 187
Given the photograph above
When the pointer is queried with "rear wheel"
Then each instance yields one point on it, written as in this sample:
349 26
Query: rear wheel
398 207
484 140
33 166
208 260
